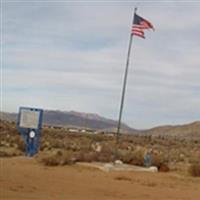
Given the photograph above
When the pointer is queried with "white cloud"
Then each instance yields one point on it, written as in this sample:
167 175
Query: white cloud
72 57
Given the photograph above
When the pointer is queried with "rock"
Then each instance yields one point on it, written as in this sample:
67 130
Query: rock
153 169
119 162
163 168
129 148
97 147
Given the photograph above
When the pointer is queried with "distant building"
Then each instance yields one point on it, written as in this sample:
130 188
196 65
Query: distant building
73 130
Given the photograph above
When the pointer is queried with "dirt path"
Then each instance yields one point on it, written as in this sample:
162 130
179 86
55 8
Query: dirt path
23 178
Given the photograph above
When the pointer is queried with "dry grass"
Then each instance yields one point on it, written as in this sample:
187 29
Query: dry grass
194 170
56 158
9 152
59 147
11 144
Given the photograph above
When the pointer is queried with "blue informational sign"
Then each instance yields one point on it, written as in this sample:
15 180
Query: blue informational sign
29 124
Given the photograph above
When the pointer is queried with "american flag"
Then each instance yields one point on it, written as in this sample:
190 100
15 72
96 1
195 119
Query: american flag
139 24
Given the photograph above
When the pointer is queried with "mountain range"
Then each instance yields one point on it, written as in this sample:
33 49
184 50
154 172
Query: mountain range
97 122
73 119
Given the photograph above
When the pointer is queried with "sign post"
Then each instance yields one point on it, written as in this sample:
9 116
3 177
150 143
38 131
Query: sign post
29 124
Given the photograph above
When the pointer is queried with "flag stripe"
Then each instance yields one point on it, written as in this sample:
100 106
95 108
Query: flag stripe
140 26
147 24
139 34
137 30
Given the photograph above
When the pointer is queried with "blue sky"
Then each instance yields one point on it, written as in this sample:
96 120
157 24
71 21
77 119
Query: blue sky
70 55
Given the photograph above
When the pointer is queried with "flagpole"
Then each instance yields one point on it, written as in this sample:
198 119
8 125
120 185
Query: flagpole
124 89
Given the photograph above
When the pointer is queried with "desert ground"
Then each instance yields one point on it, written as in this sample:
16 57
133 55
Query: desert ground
55 171
24 178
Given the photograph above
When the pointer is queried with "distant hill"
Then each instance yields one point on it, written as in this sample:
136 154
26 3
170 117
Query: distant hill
10 117
97 122
191 131
73 119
